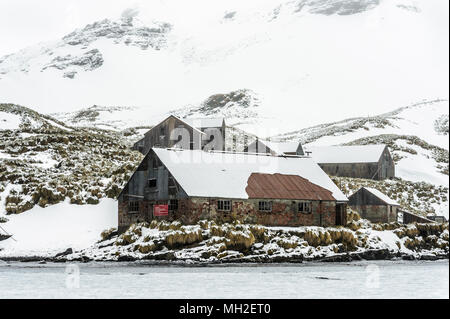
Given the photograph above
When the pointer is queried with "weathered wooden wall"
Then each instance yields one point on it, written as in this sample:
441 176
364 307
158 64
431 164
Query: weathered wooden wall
372 208
409 218
384 168
159 136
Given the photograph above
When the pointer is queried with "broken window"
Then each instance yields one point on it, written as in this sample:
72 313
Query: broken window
224 205
173 205
304 207
133 207
265 206
152 183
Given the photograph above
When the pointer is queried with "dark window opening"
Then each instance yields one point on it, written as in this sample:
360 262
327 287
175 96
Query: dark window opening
173 205
162 131
133 207
304 207
265 206
224 205
152 182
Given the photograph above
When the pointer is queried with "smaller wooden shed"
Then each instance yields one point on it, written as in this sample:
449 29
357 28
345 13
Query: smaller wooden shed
373 205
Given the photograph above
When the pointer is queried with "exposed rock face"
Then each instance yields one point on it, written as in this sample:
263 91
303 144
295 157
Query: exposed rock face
240 104
340 7
84 53
121 32
89 61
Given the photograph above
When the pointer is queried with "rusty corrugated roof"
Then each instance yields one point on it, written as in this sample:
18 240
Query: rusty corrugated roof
281 186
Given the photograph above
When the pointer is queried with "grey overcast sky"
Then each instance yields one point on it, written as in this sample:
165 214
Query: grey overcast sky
27 22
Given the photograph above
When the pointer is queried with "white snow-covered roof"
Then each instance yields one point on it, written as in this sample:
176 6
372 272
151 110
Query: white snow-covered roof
225 175
345 154
280 148
382 196
205 122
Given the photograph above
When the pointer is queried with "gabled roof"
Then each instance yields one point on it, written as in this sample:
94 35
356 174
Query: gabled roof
226 175
205 122
182 121
281 186
345 154
382 196
282 147
279 148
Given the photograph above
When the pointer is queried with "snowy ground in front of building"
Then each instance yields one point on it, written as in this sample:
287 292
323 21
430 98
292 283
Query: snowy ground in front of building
48 231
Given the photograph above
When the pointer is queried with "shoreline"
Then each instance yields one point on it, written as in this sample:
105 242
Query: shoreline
369 255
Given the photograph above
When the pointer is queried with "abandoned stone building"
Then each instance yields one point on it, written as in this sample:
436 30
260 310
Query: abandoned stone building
190 185
207 134
373 205
275 148
358 161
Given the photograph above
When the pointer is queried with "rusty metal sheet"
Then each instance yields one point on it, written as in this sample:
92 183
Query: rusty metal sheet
280 186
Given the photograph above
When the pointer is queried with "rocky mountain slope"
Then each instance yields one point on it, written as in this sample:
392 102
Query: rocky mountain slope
305 62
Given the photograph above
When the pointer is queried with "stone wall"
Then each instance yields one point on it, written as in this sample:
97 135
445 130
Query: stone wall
191 210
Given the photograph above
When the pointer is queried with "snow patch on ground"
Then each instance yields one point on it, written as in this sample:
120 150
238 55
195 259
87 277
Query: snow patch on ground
50 230
9 121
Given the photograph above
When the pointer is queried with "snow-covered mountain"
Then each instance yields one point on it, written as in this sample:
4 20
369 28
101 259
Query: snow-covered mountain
306 61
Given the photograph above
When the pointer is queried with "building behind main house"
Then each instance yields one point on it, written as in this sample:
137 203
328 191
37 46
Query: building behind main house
356 161
197 134
373 205
222 186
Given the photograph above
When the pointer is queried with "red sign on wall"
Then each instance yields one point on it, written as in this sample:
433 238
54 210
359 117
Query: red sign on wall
160 210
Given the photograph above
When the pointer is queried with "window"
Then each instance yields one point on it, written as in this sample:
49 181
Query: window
224 205
162 131
152 182
304 207
133 207
265 206
173 205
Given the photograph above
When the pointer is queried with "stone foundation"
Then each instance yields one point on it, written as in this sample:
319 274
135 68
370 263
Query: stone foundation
190 211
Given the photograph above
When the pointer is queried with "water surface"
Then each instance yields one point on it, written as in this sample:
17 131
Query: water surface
381 279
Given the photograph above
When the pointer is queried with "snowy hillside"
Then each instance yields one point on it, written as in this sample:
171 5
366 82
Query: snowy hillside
417 135
306 61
